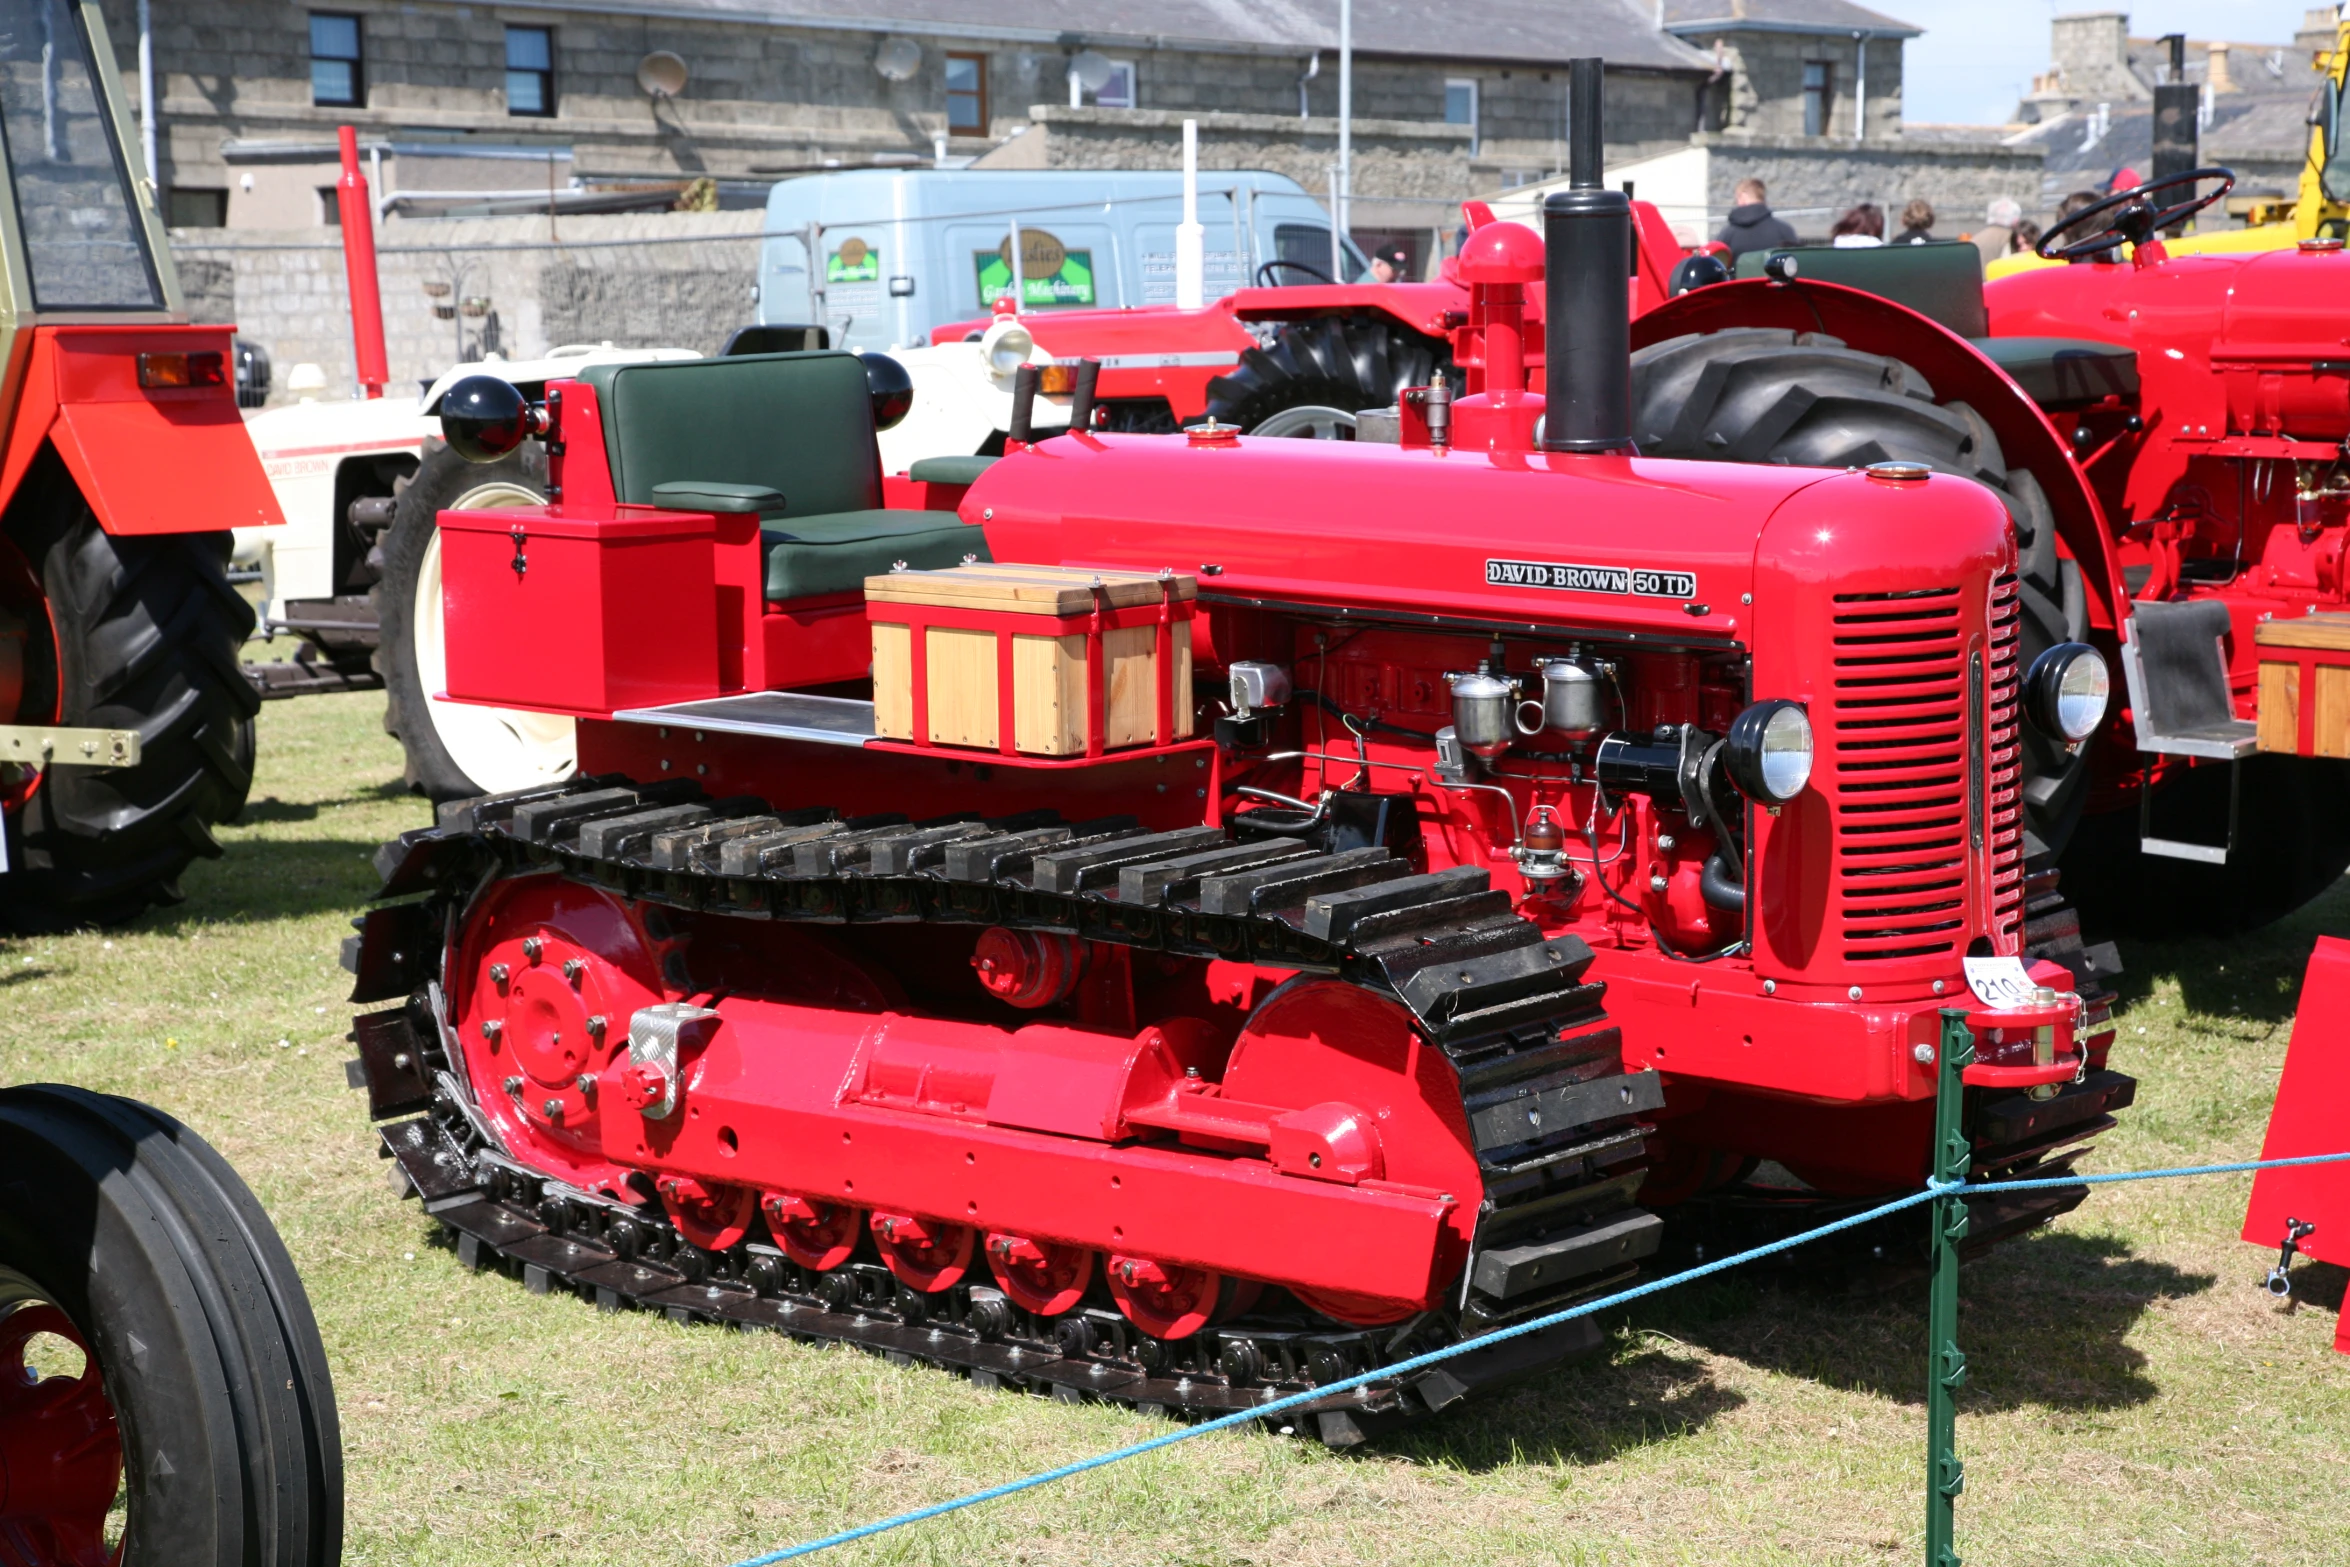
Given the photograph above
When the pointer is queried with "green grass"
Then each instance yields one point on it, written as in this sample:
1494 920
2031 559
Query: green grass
2135 1397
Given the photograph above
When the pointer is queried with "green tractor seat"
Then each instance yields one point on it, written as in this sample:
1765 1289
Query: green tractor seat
789 436
1944 283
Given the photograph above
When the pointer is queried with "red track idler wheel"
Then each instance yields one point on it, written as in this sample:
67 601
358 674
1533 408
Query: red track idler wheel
925 1254
713 1217
60 1452
1045 1277
1028 968
1167 1301
819 1236
1356 1311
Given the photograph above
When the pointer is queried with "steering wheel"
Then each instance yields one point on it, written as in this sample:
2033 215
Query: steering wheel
2135 219
1314 272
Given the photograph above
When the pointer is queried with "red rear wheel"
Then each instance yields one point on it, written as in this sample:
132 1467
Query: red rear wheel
1168 1301
819 1236
1045 1277
60 1451
924 1254
714 1216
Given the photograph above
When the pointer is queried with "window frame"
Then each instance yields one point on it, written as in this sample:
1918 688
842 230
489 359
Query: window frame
1133 88
1476 108
172 195
1820 97
978 96
544 73
356 61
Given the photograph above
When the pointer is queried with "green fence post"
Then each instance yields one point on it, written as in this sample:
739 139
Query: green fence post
1945 1362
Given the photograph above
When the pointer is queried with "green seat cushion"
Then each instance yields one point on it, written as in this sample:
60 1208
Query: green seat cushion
949 470
1942 281
798 424
689 495
811 556
2064 372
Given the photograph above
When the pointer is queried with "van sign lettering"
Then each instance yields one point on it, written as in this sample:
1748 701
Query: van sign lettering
1631 581
854 262
1050 272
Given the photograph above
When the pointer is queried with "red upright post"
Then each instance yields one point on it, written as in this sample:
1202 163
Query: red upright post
357 210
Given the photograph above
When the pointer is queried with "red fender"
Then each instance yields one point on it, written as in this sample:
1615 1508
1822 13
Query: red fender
2312 1116
147 459
1875 325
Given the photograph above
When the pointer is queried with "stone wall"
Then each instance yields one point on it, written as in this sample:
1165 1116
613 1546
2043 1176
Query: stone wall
1811 184
680 279
1395 159
1761 92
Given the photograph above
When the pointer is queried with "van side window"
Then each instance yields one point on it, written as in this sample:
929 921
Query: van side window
967 94
1309 245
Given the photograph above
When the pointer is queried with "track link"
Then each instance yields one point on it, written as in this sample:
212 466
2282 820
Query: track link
1552 1114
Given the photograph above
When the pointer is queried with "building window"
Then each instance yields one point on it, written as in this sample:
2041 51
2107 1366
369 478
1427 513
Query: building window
967 94
1460 107
330 206
1118 91
188 208
1819 85
530 70
337 79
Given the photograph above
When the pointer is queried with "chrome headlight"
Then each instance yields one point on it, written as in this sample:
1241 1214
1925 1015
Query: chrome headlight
1005 345
1769 751
2066 692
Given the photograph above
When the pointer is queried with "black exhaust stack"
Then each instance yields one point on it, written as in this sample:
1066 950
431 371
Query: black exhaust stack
1587 316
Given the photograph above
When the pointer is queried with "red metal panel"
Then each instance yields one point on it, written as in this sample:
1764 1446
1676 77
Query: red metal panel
2311 1116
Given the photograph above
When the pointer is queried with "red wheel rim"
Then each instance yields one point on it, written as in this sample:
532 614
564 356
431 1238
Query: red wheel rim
1166 1301
819 1236
1356 1311
60 1453
924 1254
713 1217
1045 1277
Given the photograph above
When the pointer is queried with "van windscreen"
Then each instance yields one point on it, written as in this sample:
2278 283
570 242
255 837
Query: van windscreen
1308 245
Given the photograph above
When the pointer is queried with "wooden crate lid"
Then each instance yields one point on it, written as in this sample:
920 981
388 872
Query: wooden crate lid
1026 590
2326 631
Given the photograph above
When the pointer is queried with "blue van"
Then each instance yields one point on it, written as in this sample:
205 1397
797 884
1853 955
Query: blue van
899 252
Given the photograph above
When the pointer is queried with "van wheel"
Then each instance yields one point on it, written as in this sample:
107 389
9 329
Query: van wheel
1317 374
455 751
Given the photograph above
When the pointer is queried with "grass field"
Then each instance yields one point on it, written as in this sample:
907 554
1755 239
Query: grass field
2135 1397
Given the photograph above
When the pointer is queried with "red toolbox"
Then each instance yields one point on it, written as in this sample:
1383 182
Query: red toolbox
580 614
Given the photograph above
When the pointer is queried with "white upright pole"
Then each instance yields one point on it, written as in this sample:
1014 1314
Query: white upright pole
1346 115
1191 252
147 94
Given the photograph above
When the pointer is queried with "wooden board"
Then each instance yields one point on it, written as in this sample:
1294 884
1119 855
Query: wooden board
2326 631
1025 590
1049 716
2281 697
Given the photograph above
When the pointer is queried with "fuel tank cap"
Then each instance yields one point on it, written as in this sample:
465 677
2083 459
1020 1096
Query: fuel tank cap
1898 472
1212 433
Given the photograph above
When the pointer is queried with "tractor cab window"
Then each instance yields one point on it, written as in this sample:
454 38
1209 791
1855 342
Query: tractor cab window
2333 159
82 236
1309 245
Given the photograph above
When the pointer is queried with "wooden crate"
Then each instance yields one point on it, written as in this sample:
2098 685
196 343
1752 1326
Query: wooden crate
1032 660
2305 685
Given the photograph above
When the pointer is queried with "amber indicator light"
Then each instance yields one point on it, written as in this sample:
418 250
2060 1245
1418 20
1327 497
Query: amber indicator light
169 370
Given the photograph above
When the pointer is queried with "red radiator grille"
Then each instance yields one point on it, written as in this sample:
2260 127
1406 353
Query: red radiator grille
1900 781
2007 760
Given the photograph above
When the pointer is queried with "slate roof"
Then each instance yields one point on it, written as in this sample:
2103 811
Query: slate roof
1836 17
1538 33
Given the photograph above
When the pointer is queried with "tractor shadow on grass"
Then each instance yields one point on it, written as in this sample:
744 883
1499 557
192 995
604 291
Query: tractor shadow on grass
272 879
2254 977
2043 1322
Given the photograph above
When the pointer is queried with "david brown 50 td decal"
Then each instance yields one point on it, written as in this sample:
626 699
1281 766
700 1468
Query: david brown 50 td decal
1631 581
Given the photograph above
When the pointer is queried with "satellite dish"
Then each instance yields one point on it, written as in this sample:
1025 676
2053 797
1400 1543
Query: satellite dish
661 74
897 59
1093 71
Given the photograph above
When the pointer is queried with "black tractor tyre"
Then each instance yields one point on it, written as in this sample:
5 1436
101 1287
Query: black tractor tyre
439 484
179 1289
147 635
1344 363
2292 842
1768 396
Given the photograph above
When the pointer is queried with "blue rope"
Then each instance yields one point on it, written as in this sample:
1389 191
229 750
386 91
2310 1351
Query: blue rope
1400 1368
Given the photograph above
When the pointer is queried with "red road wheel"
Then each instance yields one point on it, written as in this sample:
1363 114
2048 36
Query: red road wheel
713 1217
60 1451
819 1236
1356 1311
924 1254
1045 1277
1167 1301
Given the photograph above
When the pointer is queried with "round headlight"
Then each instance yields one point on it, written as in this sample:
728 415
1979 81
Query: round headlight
1769 751
1006 346
2066 691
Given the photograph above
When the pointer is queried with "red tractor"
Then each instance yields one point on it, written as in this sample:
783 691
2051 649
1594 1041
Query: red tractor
1167 917
164 1397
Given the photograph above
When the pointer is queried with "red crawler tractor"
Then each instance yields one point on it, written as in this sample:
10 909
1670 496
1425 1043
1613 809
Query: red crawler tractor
1173 916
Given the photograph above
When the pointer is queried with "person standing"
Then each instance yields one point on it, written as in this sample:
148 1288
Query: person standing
1752 225
1997 235
1917 223
1861 227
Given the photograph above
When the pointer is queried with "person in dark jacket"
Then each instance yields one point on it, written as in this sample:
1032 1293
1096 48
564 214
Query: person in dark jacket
1751 226
1917 223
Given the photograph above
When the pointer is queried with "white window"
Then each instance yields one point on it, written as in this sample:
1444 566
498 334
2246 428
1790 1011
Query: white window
1460 106
1118 92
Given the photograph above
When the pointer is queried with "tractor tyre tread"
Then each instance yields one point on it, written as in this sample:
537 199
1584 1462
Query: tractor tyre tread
1349 362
